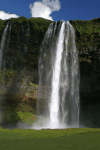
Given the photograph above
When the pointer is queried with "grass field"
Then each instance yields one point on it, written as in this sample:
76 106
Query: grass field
69 139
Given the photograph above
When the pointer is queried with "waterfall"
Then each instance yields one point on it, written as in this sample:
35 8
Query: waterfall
58 72
54 107
3 43
3 46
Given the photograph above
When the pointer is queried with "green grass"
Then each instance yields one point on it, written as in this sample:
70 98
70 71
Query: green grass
70 139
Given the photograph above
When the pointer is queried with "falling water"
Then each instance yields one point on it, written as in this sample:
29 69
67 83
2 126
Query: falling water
59 70
54 107
2 43
2 62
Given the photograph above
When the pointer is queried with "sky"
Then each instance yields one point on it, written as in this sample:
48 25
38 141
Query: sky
54 10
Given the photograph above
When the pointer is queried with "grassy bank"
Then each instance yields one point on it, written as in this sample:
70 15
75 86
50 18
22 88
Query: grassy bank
70 139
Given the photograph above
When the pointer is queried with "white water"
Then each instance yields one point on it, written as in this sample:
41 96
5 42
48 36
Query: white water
3 42
1 54
59 70
54 107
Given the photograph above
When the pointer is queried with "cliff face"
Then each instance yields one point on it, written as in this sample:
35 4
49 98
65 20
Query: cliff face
89 91
88 46
21 66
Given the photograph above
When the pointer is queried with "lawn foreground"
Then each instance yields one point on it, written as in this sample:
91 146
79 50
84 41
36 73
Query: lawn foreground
57 139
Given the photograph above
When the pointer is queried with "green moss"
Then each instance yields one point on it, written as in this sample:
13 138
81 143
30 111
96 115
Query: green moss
27 117
21 113
25 108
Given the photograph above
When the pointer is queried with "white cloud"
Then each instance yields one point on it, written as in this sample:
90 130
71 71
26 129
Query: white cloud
5 16
44 9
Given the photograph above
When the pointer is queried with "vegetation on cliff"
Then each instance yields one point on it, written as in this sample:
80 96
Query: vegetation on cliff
16 56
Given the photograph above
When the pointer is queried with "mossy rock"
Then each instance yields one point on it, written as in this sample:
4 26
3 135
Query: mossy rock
9 115
25 108
22 113
28 118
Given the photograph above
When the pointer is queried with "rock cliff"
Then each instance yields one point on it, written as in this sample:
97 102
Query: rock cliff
20 79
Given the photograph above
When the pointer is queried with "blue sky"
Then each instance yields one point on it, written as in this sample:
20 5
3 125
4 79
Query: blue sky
51 9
